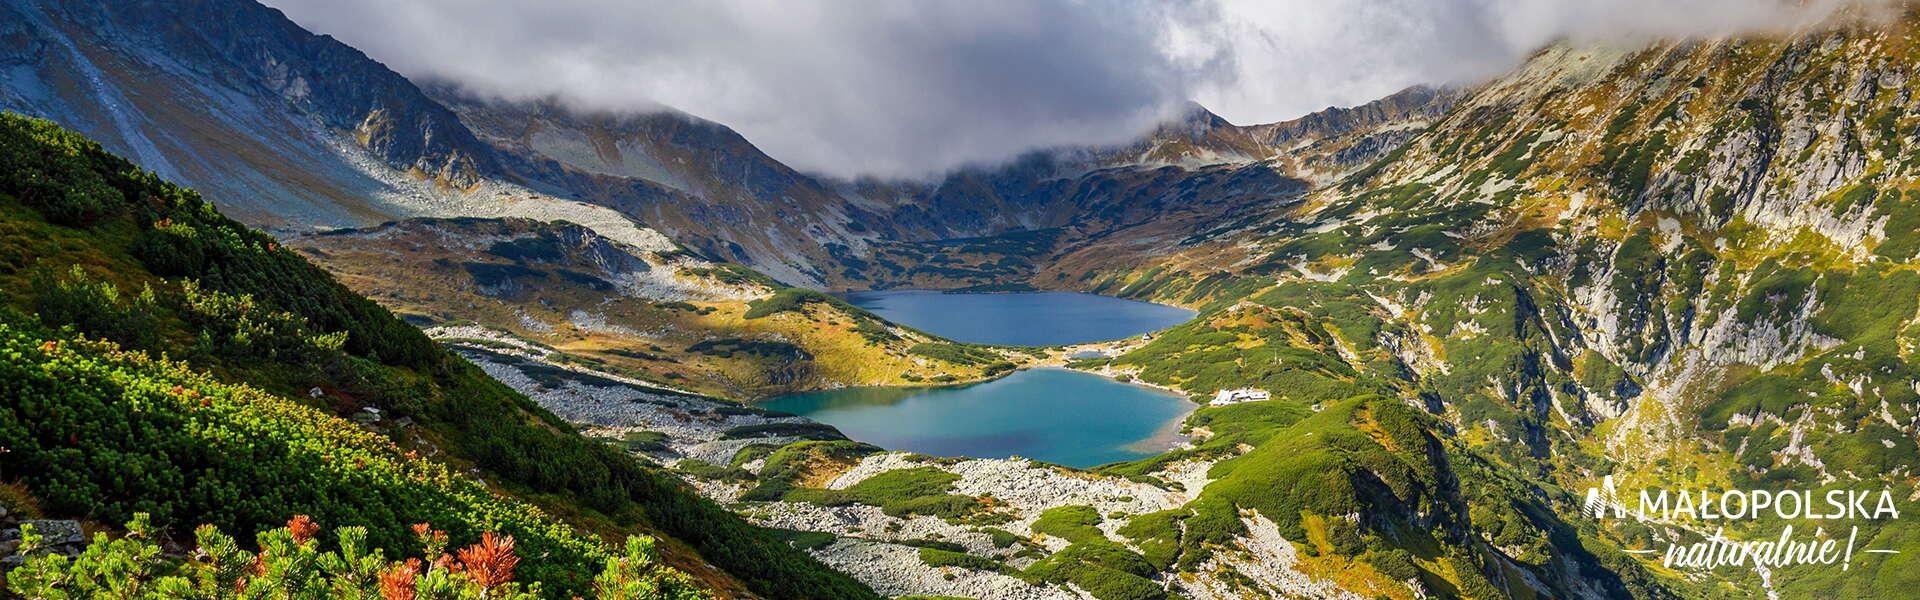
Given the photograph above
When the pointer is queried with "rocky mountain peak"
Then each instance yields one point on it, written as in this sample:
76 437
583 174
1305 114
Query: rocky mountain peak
1416 103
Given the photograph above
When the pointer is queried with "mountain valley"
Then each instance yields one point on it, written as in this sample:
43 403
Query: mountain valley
1674 264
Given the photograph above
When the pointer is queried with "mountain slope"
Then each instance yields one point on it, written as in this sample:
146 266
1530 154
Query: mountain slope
289 130
283 128
256 327
668 318
1687 265
697 181
235 100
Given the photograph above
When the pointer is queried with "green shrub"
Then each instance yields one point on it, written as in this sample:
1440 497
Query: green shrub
899 493
1001 537
237 326
729 347
732 274
292 564
644 441
1393 562
706 470
62 175
96 308
1157 535
1072 523
1079 565
958 354
783 300
685 306
806 540
800 429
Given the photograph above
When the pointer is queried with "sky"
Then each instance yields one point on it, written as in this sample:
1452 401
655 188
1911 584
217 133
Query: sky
915 88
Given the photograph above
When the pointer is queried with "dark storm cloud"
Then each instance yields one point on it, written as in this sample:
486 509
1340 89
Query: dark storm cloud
910 88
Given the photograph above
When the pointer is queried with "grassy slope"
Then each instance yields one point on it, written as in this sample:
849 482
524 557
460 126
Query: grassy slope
67 203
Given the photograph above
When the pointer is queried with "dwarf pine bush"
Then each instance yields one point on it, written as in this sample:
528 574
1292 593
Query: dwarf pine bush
293 564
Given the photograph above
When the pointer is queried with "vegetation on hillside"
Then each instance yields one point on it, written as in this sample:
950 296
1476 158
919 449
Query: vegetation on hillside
1688 266
293 563
99 431
250 325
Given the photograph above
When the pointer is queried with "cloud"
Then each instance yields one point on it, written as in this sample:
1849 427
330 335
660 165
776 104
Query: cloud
1297 56
911 88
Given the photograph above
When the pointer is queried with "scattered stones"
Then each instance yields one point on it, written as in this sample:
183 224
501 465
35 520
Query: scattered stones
55 533
896 570
695 427
1267 559
65 537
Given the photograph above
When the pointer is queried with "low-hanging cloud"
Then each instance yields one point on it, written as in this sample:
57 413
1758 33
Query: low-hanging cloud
896 89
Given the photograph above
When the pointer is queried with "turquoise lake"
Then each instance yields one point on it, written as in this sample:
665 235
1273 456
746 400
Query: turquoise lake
1022 319
1053 415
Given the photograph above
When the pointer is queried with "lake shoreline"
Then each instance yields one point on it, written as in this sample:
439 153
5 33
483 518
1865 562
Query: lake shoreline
1053 414
1041 407
1169 437
1133 378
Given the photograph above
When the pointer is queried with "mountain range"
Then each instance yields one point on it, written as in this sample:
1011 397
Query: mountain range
295 131
1679 264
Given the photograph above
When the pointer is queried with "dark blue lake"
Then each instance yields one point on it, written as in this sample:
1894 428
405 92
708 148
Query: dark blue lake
1054 415
1025 319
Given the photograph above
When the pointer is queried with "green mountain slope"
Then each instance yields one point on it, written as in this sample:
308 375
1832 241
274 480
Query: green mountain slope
93 247
1690 265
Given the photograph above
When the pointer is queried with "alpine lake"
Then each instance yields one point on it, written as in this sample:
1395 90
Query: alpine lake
1049 414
